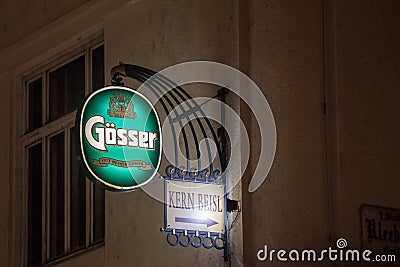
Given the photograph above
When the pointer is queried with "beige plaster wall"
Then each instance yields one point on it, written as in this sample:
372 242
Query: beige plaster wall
285 49
284 56
19 18
368 64
157 34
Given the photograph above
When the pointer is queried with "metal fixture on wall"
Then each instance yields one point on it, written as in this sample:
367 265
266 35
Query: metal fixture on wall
169 99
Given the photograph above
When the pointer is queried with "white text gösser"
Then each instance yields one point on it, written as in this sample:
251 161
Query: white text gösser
109 135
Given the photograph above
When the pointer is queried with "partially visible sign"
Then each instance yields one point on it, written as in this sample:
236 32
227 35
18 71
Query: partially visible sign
380 228
119 138
194 206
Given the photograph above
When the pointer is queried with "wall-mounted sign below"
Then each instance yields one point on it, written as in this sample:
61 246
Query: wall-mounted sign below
195 206
119 138
380 229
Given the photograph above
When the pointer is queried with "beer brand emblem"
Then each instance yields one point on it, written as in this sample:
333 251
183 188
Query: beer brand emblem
120 106
119 138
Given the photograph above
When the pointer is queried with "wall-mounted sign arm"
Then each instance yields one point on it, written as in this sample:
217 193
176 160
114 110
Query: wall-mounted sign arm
164 84
160 85
204 221
117 72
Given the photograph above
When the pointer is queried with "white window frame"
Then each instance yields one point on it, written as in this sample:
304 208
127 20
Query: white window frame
42 135
64 34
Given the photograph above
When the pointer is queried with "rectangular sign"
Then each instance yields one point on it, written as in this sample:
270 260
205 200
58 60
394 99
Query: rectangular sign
380 228
195 206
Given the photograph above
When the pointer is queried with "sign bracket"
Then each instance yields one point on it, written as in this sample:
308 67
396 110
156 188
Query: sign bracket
171 95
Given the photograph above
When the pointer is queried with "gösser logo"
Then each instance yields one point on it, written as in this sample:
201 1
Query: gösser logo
120 138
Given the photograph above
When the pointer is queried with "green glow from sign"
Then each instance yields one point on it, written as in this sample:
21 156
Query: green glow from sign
120 138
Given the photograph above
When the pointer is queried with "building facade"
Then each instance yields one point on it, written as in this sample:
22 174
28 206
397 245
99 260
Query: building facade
330 70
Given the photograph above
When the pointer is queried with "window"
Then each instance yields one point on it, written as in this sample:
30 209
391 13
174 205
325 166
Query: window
65 210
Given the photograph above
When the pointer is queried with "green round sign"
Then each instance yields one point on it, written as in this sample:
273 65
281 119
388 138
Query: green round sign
120 138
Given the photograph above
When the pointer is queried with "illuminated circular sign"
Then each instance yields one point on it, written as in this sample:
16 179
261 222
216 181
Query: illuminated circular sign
120 138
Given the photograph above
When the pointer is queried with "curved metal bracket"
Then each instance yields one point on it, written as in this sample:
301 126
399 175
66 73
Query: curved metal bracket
169 99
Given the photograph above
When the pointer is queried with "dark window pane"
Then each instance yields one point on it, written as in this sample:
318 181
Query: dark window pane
35 205
67 88
57 196
35 104
98 191
98 68
98 213
78 199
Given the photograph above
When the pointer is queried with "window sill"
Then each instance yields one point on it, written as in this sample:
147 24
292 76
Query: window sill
75 254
